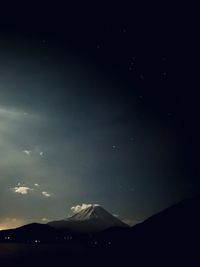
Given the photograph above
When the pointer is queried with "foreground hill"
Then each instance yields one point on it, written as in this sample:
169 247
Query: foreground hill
170 237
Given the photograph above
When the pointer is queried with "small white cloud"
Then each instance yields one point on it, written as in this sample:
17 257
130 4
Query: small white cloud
83 206
46 194
41 153
36 184
27 152
23 190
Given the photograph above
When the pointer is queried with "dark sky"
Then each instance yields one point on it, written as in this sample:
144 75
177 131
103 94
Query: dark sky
97 105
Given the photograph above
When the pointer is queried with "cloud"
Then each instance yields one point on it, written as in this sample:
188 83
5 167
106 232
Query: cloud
41 153
46 194
36 184
7 223
130 222
27 152
23 190
44 219
83 206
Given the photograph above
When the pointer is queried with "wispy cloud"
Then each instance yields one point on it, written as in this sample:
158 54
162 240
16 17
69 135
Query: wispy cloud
23 190
41 153
46 194
36 185
130 222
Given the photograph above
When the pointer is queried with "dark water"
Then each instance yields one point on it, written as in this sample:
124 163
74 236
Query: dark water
14 254
42 255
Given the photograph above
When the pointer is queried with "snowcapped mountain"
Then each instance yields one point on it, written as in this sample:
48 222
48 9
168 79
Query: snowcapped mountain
93 218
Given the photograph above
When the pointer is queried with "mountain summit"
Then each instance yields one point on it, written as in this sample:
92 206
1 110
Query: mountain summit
92 218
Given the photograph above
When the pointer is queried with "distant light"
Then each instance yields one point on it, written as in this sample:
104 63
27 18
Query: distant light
37 241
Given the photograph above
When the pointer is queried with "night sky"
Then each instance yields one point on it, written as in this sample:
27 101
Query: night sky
97 105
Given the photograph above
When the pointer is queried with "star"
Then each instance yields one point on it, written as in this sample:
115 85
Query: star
114 147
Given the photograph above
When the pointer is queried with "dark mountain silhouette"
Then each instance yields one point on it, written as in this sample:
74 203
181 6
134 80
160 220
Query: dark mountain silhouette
91 219
34 232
